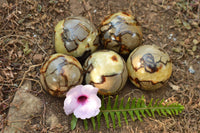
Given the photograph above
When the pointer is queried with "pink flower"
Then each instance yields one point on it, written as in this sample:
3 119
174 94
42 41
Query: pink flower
82 100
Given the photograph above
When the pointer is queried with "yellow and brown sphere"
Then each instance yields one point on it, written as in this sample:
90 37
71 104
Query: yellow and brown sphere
76 36
106 70
59 73
149 67
120 32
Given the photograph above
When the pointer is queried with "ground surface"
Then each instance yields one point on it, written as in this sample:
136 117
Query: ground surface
26 40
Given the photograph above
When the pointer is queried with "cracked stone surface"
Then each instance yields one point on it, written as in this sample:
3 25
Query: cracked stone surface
23 107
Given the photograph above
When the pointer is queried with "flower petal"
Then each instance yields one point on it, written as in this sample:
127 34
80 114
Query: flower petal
90 109
70 104
82 108
89 89
75 91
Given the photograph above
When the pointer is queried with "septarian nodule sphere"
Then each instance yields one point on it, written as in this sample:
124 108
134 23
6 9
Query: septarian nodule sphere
149 67
120 32
106 70
59 73
76 36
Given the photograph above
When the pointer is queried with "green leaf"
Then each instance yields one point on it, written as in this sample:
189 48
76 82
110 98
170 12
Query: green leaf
137 111
150 105
117 113
105 114
141 104
121 106
93 123
26 49
73 122
116 102
99 120
112 114
130 112
168 111
85 124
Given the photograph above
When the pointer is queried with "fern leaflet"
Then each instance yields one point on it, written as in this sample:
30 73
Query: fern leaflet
135 108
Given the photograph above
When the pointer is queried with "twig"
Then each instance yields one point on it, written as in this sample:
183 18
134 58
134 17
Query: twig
187 7
33 66
160 123
198 15
36 82
13 85
132 5
44 114
90 16
20 129
24 37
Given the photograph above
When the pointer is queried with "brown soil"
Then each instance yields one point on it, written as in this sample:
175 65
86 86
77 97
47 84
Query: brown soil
26 40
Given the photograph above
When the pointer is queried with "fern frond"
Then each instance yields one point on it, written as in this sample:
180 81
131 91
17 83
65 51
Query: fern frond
135 108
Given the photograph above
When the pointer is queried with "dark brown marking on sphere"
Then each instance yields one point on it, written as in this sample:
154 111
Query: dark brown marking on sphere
153 83
131 33
43 70
86 61
124 48
106 18
103 78
84 56
110 26
87 46
90 68
86 29
165 63
147 61
65 77
127 32
101 35
74 59
96 41
57 92
96 44
45 88
106 42
114 58
135 68
124 68
137 23
117 38
103 90
148 69
160 67
48 90
65 38
76 27
161 50
126 13
65 62
136 80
